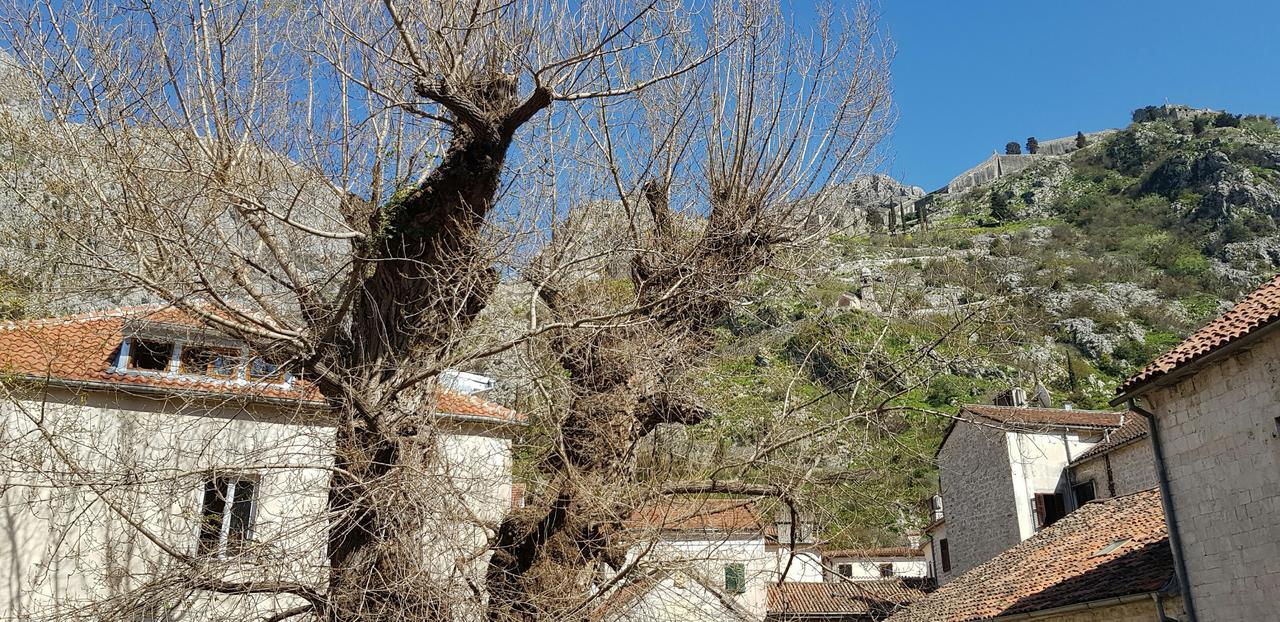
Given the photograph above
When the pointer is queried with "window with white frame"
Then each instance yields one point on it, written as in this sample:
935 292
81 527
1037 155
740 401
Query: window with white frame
845 570
228 506
218 362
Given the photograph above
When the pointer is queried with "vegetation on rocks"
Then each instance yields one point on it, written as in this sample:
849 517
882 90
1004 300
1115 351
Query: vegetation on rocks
1070 275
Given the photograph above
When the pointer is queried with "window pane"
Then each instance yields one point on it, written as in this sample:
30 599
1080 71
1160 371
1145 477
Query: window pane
213 362
241 515
1084 493
263 370
735 578
212 507
149 355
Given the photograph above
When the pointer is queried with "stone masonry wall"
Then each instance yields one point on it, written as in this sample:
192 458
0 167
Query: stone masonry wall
1142 611
977 495
1219 432
998 165
1132 470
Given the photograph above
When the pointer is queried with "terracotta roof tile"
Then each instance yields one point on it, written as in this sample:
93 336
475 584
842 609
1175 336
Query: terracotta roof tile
1134 428
1046 416
841 598
1062 565
710 515
1258 309
83 348
883 551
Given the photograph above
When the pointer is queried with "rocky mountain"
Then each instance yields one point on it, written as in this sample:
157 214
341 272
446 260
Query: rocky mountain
1067 271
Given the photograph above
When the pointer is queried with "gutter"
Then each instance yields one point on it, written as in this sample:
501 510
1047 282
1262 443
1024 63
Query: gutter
1094 604
1170 515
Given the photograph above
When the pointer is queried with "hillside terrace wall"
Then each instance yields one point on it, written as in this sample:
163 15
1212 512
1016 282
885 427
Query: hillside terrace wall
1220 433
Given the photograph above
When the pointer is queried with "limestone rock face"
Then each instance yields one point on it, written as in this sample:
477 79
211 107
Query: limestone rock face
865 203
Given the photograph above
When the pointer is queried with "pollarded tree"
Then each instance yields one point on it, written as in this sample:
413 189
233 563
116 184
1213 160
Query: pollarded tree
1012 148
345 185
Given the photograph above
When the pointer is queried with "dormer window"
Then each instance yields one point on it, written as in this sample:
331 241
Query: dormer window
212 362
213 359
148 355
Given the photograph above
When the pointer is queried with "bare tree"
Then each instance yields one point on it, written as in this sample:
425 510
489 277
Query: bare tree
347 185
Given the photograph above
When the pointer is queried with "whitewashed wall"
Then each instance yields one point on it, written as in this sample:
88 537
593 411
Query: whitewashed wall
868 569
63 548
1038 464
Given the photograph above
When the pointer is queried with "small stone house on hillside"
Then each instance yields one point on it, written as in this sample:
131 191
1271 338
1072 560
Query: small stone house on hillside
1214 408
1003 476
1108 561
133 437
1121 464
874 564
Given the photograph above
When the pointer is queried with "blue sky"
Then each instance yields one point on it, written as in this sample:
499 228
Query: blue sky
971 75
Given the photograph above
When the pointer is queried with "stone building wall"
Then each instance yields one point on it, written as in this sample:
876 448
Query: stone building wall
1140 611
977 495
1219 432
1132 469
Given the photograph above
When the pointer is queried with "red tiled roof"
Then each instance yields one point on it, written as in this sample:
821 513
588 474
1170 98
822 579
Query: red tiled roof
711 515
83 348
841 598
1134 428
1062 565
883 551
1258 309
1046 416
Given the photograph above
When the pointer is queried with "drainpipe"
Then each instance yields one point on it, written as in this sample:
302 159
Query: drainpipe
1170 516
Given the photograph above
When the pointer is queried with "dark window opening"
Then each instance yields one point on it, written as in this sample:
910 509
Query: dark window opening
149 355
214 362
735 578
226 512
945 553
1050 507
1084 492
886 570
262 370
846 570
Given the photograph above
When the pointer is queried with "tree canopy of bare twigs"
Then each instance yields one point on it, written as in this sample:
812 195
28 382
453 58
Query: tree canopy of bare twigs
350 185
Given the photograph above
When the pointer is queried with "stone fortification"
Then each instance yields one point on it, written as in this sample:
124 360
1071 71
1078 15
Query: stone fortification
998 165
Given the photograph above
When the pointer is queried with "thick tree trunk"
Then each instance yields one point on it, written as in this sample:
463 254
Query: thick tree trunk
423 290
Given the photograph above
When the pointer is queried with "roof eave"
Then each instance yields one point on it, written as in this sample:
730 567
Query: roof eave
1195 365
319 406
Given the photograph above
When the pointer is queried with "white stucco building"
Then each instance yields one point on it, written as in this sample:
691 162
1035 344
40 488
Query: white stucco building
1213 404
727 549
138 445
874 564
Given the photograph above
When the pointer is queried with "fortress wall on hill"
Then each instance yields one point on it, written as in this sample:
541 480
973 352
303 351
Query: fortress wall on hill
998 166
